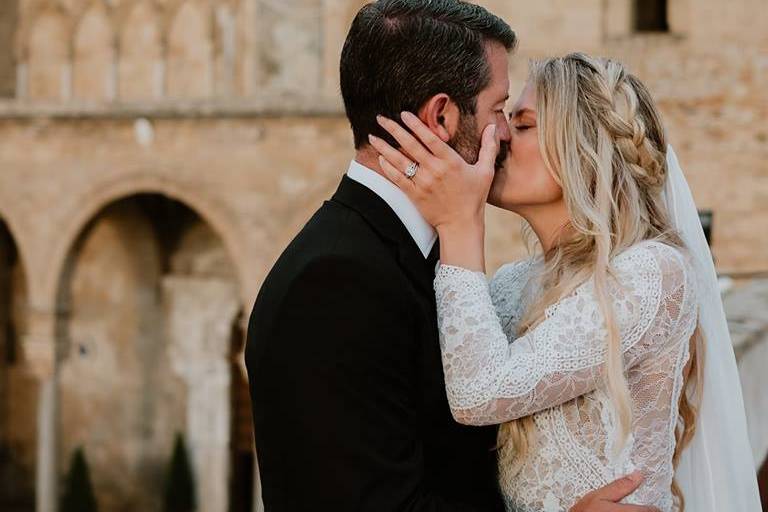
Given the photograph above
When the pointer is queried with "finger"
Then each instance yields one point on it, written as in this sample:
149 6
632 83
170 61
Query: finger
613 507
607 506
397 177
619 489
435 145
408 142
390 154
489 149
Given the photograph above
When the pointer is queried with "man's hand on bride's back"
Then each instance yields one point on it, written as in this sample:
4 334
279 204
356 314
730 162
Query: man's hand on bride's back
606 499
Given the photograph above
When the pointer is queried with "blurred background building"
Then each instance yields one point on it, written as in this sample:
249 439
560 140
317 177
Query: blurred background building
157 155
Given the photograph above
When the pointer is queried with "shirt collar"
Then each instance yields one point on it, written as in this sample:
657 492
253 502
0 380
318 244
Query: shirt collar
422 233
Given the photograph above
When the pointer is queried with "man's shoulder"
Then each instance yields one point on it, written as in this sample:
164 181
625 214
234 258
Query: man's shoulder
335 232
336 240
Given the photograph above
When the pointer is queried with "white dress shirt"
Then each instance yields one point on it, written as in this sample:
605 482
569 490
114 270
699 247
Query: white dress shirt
422 233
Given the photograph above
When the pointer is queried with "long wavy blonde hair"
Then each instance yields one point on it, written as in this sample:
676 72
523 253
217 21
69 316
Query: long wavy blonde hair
601 137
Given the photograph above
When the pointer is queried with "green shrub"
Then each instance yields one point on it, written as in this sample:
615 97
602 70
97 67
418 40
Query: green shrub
78 493
179 482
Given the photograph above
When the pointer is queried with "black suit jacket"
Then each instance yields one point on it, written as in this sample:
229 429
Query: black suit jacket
346 380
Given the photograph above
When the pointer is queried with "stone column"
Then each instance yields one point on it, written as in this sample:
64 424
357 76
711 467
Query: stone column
200 314
46 485
39 350
225 51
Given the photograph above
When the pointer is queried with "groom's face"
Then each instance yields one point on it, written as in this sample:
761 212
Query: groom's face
491 106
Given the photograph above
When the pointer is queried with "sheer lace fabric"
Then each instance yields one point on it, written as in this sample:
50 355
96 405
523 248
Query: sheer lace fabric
555 372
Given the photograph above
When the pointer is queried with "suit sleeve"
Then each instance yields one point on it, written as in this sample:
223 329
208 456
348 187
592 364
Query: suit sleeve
354 385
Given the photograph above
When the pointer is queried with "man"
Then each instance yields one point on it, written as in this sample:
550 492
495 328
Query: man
343 356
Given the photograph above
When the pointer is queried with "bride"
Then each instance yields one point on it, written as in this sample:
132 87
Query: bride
607 351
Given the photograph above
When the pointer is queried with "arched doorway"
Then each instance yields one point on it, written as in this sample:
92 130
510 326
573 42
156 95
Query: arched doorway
18 387
151 302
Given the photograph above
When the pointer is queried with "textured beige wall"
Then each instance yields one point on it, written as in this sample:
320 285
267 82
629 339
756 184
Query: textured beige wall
232 107
709 75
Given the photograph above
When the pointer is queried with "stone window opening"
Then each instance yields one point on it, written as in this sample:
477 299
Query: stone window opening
651 16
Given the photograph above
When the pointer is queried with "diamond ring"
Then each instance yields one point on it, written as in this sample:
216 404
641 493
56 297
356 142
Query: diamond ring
411 170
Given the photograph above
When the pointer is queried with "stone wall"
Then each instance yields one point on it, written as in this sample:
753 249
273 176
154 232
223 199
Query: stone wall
8 22
231 108
239 66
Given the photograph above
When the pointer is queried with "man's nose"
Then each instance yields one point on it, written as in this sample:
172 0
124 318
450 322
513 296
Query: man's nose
502 128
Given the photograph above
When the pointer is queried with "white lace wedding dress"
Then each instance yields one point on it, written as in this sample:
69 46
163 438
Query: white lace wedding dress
555 372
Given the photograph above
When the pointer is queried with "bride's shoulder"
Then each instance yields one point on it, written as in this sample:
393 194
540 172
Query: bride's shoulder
657 249
655 257
512 272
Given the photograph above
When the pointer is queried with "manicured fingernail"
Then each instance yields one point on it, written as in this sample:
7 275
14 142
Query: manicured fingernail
371 138
493 130
636 477
381 161
380 119
407 116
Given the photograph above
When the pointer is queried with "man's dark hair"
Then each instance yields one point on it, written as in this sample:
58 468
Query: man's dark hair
400 53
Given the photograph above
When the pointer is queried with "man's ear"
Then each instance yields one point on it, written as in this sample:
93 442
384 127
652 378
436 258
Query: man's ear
441 115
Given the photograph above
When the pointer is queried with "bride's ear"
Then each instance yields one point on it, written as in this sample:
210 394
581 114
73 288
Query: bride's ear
441 115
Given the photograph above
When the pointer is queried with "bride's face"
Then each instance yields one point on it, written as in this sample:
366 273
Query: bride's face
524 181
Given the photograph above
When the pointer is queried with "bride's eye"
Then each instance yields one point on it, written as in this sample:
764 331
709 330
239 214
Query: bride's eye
522 128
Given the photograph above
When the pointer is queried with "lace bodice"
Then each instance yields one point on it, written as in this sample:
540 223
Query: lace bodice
555 372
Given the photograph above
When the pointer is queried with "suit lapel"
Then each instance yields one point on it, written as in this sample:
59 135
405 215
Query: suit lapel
387 224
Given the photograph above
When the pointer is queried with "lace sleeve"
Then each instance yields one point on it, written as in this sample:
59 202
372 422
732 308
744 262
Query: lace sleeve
490 380
655 385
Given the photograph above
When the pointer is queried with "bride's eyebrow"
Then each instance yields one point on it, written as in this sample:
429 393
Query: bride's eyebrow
520 112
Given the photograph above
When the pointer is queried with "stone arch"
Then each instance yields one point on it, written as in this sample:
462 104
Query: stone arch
190 51
225 48
9 13
337 18
48 57
141 58
18 387
14 225
149 308
291 47
246 47
94 56
212 212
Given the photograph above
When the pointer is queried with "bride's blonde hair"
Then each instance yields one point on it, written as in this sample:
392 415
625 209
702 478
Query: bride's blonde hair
601 137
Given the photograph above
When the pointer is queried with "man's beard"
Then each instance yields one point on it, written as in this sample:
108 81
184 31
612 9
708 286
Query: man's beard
467 143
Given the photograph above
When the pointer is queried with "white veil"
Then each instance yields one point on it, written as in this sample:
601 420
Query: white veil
716 471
